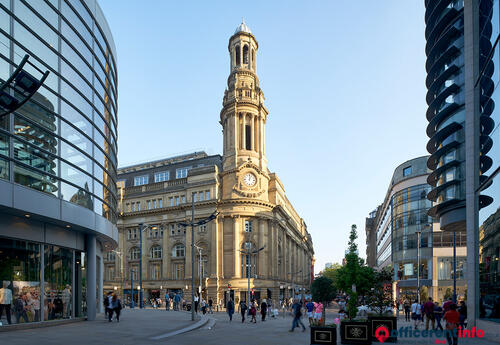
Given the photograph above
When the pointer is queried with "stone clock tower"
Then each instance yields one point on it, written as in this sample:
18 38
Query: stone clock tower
243 118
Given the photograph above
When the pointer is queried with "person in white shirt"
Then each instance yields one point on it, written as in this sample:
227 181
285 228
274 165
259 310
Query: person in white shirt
416 312
5 300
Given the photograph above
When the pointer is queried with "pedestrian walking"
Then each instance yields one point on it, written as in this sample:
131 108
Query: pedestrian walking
167 301
406 307
416 310
263 309
253 311
116 307
428 311
203 306
318 312
297 313
310 311
210 305
452 318
196 303
462 310
5 301
230 309
243 310
438 314
106 302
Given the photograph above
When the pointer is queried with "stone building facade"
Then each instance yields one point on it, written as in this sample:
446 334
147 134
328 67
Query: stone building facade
253 210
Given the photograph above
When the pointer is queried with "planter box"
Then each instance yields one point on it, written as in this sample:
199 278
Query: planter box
355 332
323 335
390 322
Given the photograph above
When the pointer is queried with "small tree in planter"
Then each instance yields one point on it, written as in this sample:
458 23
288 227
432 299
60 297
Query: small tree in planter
322 289
379 300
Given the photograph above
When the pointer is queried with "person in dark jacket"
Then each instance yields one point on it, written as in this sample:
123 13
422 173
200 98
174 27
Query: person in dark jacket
462 310
230 309
297 313
20 306
263 309
438 314
116 307
243 310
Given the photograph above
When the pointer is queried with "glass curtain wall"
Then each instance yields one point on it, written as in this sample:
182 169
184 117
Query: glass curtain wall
489 216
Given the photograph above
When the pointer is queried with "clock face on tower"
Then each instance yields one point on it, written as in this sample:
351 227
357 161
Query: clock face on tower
249 179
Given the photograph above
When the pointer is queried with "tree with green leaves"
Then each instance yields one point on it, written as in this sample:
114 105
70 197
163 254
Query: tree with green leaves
354 278
323 290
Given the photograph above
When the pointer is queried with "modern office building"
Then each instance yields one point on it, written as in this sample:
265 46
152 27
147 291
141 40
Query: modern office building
57 157
398 225
371 239
462 50
254 211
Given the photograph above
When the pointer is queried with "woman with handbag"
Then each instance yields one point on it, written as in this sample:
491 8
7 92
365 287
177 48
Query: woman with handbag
452 318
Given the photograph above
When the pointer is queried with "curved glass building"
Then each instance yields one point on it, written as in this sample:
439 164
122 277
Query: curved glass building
446 112
58 157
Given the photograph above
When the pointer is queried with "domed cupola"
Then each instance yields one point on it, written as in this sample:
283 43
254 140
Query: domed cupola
243 27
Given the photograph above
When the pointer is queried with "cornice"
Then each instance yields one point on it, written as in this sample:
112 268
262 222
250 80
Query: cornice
163 210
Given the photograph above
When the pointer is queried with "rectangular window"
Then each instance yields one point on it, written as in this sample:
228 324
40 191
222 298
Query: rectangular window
141 180
127 207
248 138
407 171
162 176
138 206
133 207
202 228
154 203
201 196
195 198
178 271
155 271
149 204
111 273
172 229
160 203
129 234
182 172
171 201
183 199
248 226
207 195
177 201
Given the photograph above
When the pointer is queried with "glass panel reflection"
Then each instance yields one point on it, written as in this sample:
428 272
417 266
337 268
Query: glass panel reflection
79 196
36 180
58 276
20 275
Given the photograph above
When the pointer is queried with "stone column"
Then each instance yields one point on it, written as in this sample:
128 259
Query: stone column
166 269
91 276
187 257
244 132
237 255
252 133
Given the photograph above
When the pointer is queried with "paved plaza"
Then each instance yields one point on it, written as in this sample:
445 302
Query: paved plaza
150 326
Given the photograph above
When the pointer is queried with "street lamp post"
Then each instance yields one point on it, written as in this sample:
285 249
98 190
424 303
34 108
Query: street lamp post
120 254
200 273
193 224
454 268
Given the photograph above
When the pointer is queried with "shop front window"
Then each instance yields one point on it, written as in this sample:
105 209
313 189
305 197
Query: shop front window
20 273
58 276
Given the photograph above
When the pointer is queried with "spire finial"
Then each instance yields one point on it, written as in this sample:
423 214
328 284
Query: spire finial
242 20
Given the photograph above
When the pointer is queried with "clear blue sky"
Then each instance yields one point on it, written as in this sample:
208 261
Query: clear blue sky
343 80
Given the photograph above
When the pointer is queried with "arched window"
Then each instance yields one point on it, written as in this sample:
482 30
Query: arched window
245 54
156 252
110 256
135 253
237 54
178 251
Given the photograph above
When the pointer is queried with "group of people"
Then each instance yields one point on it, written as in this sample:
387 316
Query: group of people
432 313
250 310
112 304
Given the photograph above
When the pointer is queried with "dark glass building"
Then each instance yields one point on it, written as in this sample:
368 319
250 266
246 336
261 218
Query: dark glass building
462 79
57 158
